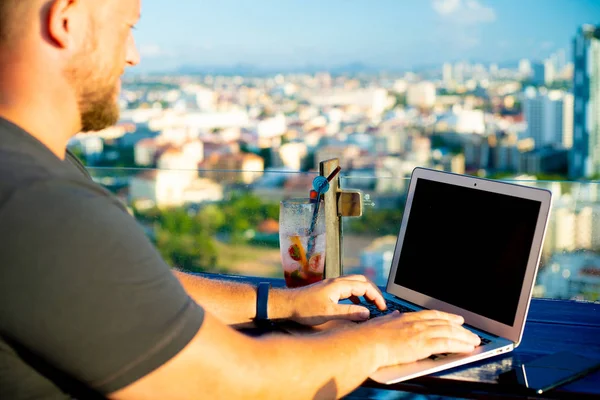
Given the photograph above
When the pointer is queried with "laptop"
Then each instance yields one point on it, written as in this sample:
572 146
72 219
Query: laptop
468 246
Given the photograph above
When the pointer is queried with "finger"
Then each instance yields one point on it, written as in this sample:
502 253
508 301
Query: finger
383 319
434 314
361 278
377 300
447 345
355 300
349 288
452 332
427 324
351 312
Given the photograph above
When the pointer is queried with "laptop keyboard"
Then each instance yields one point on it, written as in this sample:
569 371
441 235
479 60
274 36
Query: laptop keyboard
391 307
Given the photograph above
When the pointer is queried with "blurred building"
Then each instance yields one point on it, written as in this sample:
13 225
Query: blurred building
90 145
291 155
545 160
447 75
164 189
462 120
372 100
421 95
585 156
568 117
346 154
547 114
543 73
572 275
525 68
247 167
376 259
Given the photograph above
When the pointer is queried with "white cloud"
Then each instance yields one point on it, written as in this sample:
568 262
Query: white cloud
460 23
446 6
464 12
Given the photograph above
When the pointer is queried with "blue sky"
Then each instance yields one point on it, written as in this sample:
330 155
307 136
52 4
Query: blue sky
383 33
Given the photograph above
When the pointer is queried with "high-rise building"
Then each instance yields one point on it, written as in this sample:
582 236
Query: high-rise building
447 74
545 115
567 135
584 159
494 70
525 68
538 73
561 60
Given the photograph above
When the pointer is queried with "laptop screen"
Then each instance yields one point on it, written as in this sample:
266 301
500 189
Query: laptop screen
468 247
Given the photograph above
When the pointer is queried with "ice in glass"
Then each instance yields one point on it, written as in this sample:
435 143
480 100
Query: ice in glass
302 242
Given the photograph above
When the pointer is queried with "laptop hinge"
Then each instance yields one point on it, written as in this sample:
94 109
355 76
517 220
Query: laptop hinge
481 330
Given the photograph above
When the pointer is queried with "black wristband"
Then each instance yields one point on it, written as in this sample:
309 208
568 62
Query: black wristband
262 301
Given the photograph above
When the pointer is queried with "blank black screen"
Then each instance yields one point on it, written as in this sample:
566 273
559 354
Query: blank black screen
468 247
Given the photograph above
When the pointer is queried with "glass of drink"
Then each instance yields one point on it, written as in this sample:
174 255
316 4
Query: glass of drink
302 241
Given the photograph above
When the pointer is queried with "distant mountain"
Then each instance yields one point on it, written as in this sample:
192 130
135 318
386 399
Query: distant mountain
242 69
254 70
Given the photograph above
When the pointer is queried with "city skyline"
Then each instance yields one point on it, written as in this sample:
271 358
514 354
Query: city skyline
386 35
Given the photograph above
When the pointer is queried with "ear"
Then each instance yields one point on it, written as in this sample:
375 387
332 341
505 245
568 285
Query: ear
62 18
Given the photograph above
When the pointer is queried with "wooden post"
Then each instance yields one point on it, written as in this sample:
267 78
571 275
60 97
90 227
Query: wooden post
338 203
333 252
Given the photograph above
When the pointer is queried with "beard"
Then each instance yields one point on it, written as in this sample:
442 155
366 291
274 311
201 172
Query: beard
98 107
96 88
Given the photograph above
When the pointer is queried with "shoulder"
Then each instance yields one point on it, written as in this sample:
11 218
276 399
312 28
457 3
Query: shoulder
60 195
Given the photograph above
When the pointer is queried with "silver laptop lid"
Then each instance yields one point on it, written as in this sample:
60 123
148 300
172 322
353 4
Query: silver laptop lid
471 246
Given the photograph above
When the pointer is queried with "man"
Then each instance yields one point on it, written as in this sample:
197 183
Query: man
88 306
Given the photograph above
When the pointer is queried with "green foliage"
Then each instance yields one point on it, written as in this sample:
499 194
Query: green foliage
400 100
377 222
191 252
308 163
244 212
125 159
591 296
556 85
186 238
267 157
78 152
439 142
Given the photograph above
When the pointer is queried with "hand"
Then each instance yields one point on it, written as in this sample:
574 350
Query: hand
318 303
409 337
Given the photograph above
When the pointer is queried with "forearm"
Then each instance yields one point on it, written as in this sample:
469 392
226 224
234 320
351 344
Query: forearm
317 367
221 363
232 302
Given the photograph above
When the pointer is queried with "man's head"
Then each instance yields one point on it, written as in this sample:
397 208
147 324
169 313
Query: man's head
83 46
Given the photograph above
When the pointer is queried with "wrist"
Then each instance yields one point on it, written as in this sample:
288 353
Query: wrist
370 350
376 352
377 349
280 304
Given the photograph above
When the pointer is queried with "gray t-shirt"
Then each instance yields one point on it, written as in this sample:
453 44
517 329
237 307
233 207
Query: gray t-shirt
87 305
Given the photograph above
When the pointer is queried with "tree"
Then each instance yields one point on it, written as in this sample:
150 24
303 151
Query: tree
377 222
186 240
267 157
247 211
191 252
